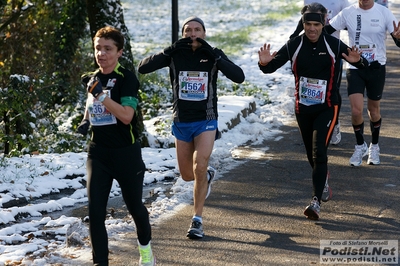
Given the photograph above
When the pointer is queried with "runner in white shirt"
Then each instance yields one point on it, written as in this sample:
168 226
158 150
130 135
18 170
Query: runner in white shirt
367 25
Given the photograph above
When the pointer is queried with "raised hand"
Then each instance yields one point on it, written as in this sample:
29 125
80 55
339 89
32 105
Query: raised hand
354 55
396 31
184 43
264 54
215 52
206 46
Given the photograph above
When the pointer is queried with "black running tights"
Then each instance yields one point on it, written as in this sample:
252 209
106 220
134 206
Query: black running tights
316 131
127 167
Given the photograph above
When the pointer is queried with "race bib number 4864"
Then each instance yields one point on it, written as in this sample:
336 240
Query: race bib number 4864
312 91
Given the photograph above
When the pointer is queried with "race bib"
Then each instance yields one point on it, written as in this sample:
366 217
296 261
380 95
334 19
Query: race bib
193 85
368 51
98 113
312 91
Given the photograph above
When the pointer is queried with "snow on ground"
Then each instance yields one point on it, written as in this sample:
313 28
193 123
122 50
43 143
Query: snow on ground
41 240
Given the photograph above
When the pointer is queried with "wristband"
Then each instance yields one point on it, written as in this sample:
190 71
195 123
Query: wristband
359 64
102 97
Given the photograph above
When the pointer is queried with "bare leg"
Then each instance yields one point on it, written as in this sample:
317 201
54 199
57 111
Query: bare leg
193 160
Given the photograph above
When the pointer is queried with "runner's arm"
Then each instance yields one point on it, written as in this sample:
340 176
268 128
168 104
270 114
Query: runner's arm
329 29
396 41
228 68
297 31
348 53
153 63
279 59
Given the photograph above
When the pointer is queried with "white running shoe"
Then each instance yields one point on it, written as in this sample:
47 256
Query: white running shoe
336 135
373 156
359 152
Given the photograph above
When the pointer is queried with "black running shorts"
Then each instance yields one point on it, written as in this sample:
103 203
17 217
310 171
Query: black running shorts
371 80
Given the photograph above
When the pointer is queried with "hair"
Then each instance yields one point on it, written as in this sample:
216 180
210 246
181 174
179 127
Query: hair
112 33
314 12
314 8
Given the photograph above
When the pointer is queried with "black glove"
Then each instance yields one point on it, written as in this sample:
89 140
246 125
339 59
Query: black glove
83 127
374 65
94 86
184 43
216 53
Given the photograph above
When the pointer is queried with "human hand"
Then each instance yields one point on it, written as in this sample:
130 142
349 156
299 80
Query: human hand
94 86
264 54
396 31
354 55
83 127
184 43
207 47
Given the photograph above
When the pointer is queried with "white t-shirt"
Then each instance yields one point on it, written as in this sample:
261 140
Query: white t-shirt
367 29
333 7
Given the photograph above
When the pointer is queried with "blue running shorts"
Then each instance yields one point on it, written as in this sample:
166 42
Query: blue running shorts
187 131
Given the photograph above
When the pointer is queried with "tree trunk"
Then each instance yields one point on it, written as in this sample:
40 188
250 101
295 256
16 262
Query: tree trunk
100 16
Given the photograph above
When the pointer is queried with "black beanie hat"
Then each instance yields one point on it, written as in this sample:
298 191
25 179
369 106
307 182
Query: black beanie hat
193 18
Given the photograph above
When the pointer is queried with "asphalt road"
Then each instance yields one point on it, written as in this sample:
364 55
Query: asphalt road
254 215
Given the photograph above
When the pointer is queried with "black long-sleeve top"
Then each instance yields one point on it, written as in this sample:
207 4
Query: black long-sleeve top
193 75
319 61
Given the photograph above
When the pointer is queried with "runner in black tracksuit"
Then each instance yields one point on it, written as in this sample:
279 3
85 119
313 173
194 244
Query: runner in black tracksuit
315 60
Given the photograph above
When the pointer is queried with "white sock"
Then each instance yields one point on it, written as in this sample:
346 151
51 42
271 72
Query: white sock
197 218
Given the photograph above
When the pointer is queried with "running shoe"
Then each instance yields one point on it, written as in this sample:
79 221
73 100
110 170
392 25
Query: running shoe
336 135
196 230
359 152
211 174
327 193
312 210
146 255
373 156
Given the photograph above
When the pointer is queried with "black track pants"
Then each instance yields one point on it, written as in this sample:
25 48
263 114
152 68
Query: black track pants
127 167
316 131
